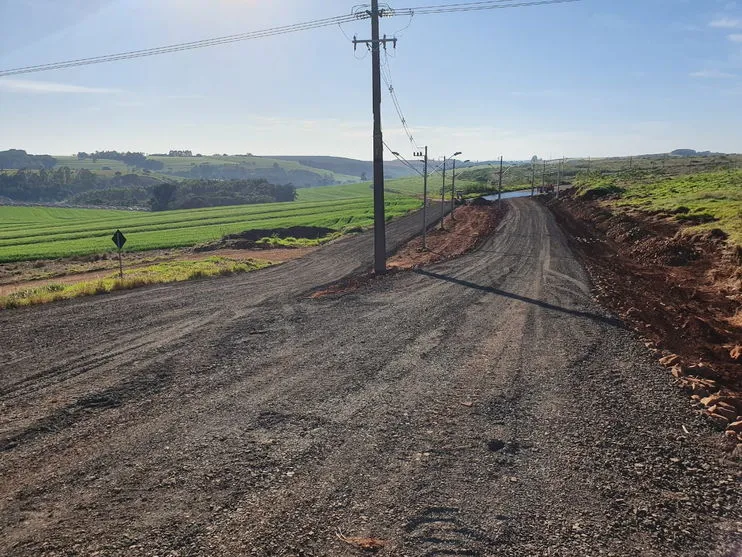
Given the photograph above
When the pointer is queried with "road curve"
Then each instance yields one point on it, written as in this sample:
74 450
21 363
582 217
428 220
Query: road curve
483 406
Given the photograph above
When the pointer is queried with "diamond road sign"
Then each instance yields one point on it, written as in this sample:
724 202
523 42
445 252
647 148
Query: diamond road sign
119 239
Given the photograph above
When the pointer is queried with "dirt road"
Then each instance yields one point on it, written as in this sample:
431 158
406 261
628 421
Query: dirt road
483 406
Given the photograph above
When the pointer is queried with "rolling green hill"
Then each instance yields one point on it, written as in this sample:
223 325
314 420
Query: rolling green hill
300 170
353 167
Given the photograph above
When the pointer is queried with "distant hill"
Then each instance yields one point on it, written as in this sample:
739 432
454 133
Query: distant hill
362 169
301 171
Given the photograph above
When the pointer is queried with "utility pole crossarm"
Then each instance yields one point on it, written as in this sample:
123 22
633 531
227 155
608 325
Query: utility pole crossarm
370 43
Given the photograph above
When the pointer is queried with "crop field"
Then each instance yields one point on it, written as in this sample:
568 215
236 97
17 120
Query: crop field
410 187
28 233
335 193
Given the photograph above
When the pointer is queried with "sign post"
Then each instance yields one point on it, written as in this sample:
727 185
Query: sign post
119 239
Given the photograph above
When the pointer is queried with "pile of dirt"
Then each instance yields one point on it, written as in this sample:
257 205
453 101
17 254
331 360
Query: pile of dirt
249 239
461 233
469 226
681 291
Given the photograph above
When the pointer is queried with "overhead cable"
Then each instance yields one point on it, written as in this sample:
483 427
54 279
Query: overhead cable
358 14
286 29
387 76
475 6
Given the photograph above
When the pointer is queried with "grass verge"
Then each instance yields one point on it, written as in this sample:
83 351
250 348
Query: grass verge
702 201
171 271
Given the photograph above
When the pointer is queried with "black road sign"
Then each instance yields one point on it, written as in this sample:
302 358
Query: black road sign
119 239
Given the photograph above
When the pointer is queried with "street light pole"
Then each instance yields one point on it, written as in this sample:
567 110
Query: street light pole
453 184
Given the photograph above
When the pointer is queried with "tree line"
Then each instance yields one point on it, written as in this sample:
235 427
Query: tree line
137 159
83 187
18 158
61 184
194 194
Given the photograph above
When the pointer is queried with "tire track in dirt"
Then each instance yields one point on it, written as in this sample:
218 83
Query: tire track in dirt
484 406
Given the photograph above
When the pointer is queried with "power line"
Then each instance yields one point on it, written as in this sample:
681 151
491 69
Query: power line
403 160
286 29
359 13
387 76
476 6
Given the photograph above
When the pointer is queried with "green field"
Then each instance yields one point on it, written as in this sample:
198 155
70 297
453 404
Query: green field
705 200
650 165
43 232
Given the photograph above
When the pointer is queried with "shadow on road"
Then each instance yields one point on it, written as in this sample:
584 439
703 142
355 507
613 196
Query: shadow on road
612 321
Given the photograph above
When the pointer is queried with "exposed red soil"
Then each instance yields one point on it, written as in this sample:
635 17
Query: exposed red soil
682 291
470 224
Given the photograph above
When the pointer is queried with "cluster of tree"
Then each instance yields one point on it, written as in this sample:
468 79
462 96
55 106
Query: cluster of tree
83 187
175 153
138 160
213 193
18 159
62 184
692 153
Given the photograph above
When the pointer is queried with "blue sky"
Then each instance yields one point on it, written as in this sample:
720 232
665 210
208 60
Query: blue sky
593 78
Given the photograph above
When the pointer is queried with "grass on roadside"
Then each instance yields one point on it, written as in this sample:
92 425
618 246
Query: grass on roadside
293 243
705 201
171 271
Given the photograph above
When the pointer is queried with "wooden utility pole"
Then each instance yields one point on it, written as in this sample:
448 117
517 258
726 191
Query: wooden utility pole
379 217
533 176
425 195
453 188
443 193
499 188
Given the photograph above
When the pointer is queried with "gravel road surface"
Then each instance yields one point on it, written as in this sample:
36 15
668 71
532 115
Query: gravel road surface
483 406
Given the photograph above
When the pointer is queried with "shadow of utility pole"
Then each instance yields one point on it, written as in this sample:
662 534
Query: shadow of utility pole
611 321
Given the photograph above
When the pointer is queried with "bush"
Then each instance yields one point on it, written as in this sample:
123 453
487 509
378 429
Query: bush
600 191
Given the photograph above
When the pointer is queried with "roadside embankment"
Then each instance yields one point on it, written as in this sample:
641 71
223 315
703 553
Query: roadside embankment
679 287
90 284
460 233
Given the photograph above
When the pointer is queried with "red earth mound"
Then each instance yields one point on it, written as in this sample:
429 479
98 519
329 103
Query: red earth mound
681 291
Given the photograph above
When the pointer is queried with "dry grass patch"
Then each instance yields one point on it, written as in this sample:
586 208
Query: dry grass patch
171 271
